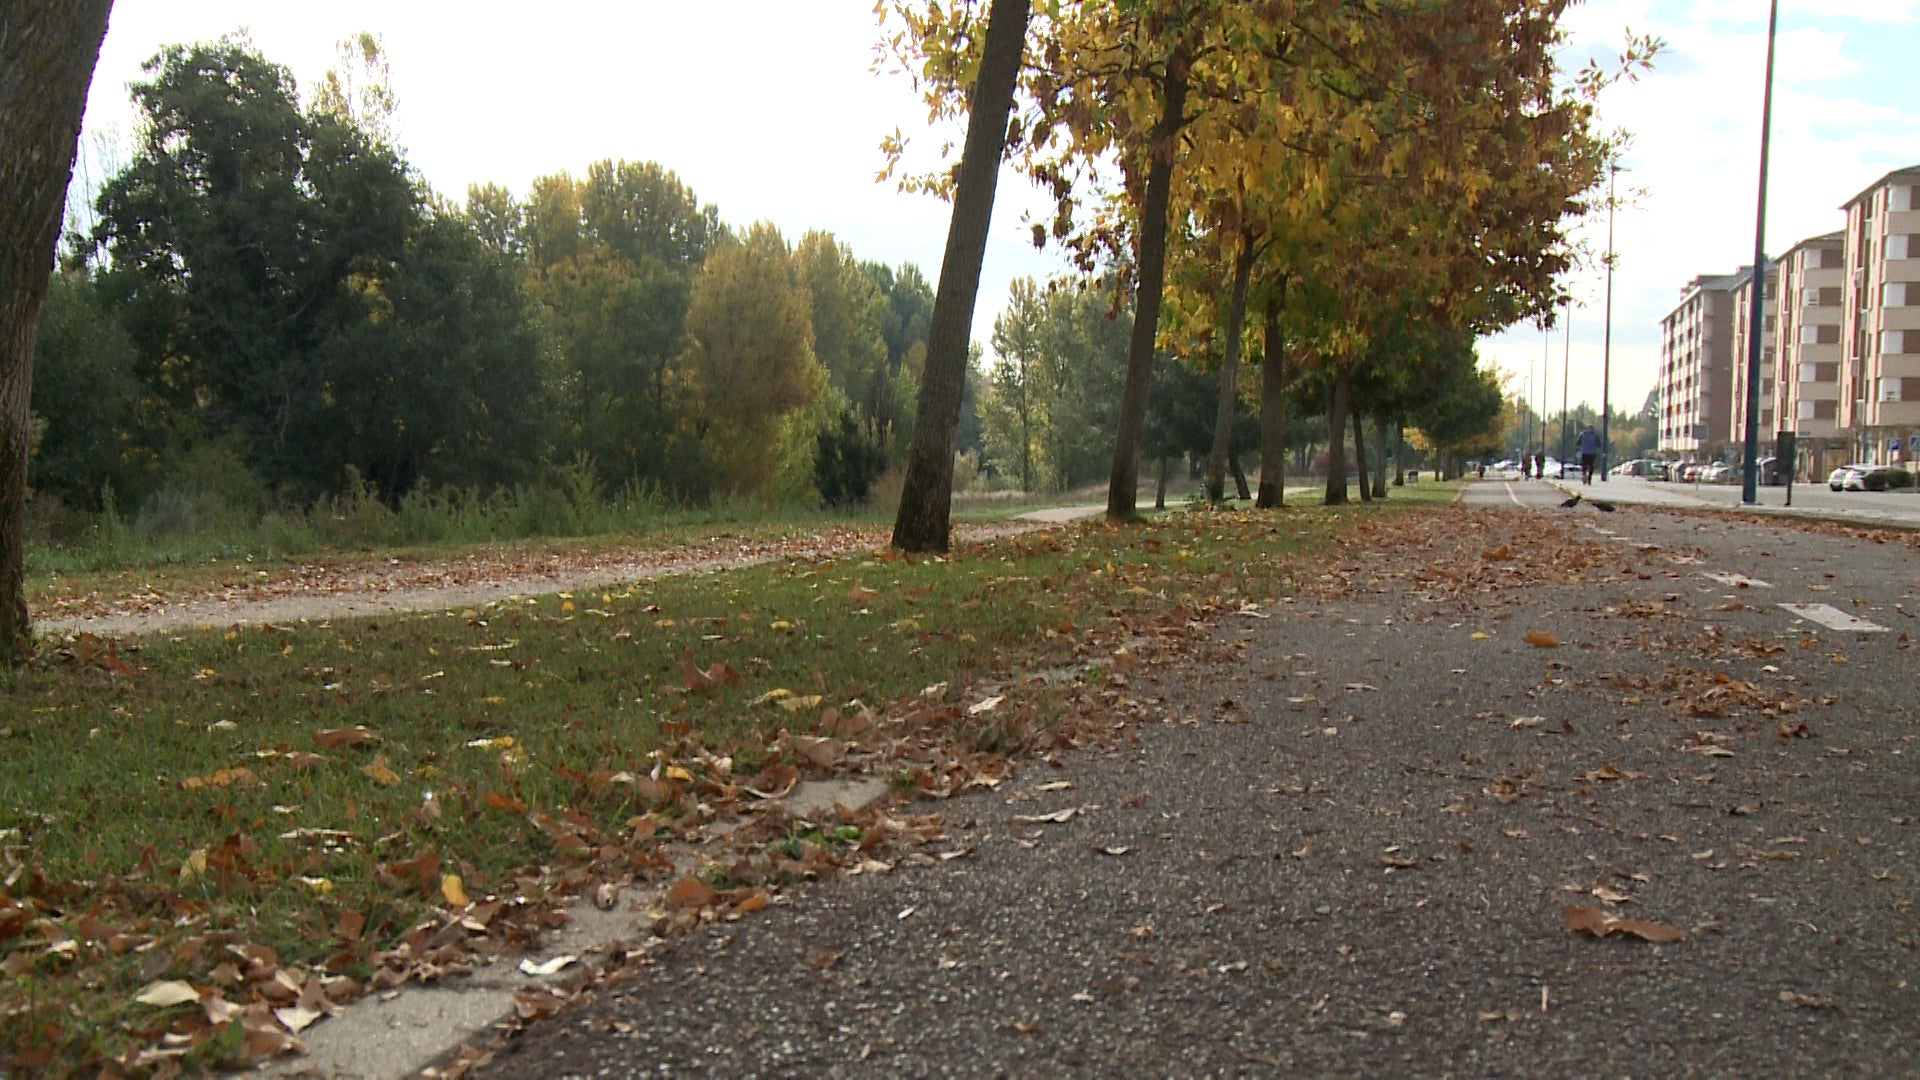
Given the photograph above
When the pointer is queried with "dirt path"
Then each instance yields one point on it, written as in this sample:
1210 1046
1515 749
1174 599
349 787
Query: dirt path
319 592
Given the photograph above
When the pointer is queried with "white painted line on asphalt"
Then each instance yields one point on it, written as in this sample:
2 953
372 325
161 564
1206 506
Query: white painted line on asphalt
1603 532
1511 494
1738 580
1833 618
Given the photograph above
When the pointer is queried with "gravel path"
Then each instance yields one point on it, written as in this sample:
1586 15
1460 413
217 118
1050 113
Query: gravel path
320 592
1346 846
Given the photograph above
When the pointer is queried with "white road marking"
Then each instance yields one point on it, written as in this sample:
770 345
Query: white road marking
1833 618
1738 580
1511 494
1603 532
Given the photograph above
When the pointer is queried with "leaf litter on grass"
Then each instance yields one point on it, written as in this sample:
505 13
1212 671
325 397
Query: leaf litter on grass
428 858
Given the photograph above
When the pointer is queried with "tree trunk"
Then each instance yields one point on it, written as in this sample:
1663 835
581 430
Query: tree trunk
48 49
1124 480
926 499
1360 464
1337 440
1273 408
1400 454
1230 377
1160 489
1239 477
1380 459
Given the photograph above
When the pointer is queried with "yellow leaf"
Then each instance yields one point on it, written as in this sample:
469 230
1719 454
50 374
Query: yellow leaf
194 867
1481 635
451 888
776 694
795 704
566 605
380 772
675 772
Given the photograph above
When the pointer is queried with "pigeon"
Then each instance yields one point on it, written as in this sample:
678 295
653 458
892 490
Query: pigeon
1571 503
1599 504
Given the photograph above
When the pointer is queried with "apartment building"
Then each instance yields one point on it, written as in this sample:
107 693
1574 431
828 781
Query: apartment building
1742 320
1696 367
1808 310
1880 322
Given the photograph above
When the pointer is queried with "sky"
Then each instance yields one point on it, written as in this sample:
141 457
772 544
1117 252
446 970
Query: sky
772 110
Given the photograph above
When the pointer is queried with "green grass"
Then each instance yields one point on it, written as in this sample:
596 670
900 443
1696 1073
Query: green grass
493 725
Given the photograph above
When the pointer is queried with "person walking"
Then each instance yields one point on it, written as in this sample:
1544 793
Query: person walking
1589 444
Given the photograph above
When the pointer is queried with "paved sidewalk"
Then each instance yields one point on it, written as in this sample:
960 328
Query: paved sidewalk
1889 509
1346 845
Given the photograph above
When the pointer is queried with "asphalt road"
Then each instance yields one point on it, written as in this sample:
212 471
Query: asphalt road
1894 508
1345 845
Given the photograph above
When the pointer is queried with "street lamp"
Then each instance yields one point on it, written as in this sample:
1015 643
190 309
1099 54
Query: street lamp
1750 470
1566 369
1606 350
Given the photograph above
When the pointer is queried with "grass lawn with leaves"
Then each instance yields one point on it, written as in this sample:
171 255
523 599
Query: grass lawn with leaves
206 835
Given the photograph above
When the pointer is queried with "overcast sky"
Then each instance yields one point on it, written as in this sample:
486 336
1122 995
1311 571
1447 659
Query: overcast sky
769 109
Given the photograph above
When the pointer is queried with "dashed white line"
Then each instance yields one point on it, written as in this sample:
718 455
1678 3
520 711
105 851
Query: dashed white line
1833 618
1738 581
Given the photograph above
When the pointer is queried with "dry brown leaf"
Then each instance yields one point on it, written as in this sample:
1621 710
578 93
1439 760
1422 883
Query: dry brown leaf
706 680
1585 919
335 738
166 995
690 893
1541 639
380 772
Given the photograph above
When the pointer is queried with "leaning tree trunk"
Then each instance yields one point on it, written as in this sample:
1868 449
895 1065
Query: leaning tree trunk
1230 377
1239 478
48 49
1160 489
1380 458
1273 408
926 500
1124 480
1336 440
1360 465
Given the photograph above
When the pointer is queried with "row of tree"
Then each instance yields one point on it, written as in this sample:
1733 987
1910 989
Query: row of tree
1379 183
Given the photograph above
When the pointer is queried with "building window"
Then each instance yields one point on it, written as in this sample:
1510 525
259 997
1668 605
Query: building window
1826 335
1832 259
1826 373
1826 410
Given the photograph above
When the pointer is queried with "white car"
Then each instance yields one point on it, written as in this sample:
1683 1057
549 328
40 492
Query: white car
1839 478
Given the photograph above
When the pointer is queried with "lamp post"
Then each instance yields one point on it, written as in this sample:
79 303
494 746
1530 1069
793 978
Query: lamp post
1566 369
1750 469
1546 377
1606 349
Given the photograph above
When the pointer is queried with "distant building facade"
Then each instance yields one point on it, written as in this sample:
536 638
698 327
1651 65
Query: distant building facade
1736 432
1696 367
1809 309
1840 349
1880 328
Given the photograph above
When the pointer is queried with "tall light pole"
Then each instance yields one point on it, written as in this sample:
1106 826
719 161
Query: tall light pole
1566 369
1546 374
1750 469
1606 349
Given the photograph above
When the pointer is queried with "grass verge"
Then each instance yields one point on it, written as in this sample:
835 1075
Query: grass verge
219 809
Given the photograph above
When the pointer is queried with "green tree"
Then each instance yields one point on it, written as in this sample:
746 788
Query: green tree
86 400
751 359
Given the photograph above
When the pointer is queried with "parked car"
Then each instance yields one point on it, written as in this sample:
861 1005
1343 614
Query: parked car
1837 479
1718 472
1878 478
1634 467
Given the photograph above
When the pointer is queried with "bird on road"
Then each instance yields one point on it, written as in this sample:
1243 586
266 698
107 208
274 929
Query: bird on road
1600 504
1571 503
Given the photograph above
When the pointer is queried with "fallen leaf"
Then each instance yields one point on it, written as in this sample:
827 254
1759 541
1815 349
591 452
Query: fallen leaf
690 892
453 891
240 778
336 738
707 680
546 967
380 772
1113 850
986 706
1058 817
1541 639
167 994
297 1018
1581 918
